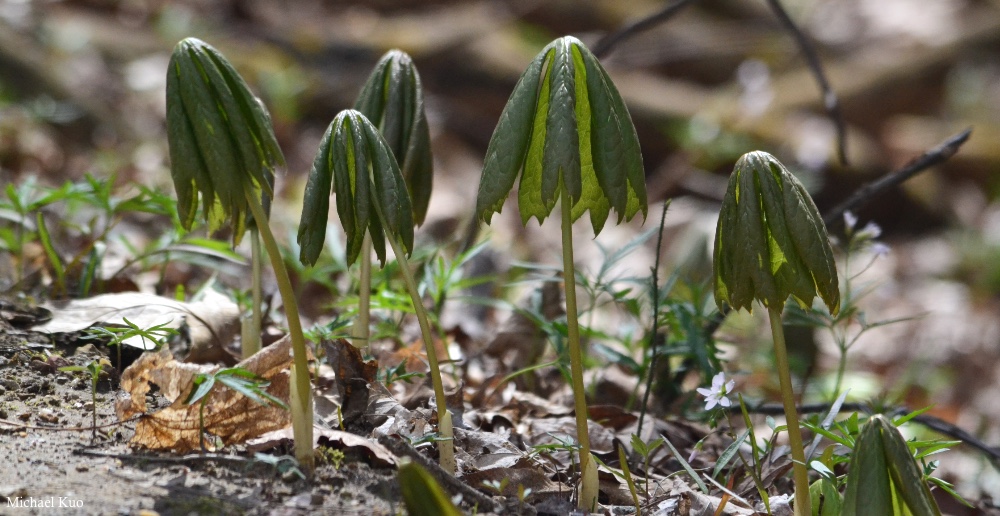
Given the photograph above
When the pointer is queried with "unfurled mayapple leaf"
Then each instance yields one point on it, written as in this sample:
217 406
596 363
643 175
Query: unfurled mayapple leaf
221 141
393 100
356 164
770 242
567 127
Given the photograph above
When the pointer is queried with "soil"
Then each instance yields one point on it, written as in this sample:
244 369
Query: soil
56 464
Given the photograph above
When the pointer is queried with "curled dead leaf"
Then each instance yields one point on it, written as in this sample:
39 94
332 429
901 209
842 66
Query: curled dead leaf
229 415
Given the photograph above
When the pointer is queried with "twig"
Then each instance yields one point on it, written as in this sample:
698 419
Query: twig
67 429
934 423
608 42
399 447
830 101
866 193
194 457
655 325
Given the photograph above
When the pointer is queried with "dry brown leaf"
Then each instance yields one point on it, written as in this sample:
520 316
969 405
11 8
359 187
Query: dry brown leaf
351 444
511 478
229 415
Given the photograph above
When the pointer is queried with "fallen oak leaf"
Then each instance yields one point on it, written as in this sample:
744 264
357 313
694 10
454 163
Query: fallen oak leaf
229 415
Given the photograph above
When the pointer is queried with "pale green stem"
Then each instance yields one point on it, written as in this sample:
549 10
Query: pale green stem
251 336
800 472
301 393
446 446
588 483
360 331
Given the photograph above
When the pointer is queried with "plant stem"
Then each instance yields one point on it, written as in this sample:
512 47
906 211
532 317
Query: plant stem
800 471
588 470
446 447
301 393
251 337
361 331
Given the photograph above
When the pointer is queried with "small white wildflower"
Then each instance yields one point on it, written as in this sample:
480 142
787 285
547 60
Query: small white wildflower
879 249
717 394
850 220
871 230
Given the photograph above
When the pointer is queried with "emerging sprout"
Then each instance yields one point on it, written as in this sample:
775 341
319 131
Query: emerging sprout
372 203
393 100
222 146
221 141
770 243
567 128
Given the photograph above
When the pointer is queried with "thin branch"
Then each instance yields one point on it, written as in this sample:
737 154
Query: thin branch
928 159
934 423
609 41
655 325
830 101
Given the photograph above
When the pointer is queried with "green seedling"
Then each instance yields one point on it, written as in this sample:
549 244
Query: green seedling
94 367
155 336
566 126
222 147
627 473
237 379
356 163
770 243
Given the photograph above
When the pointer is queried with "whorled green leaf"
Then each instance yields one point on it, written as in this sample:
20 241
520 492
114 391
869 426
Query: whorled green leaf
355 163
422 495
881 468
770 241
222 145
566 126
393 100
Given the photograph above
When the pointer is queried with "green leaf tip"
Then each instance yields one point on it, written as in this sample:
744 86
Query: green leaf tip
770 241
883 474
222 144
567 131
355 163
422 495
393 100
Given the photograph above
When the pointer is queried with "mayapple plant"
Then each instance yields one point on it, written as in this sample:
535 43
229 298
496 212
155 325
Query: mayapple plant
770 243
357 165
393 100
222 146
566 126
884 478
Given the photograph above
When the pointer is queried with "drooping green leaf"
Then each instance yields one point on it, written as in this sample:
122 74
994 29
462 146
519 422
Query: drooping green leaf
868 489
371 194
316 199
222 145
561 150
572 136
421 493
509 143
770 241
904 471
393 100
884 478
531 201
